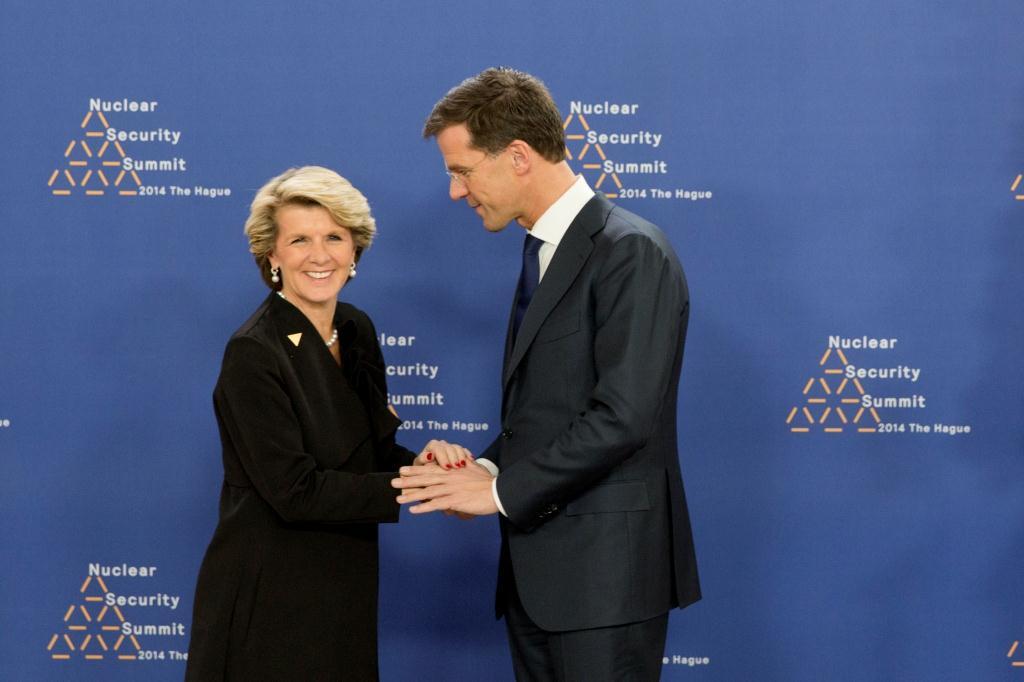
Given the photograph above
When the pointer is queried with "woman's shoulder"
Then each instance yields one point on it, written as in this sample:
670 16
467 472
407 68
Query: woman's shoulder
254 339
347 311
256 327
347 315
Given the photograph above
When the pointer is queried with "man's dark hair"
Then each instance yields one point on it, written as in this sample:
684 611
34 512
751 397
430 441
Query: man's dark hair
500 105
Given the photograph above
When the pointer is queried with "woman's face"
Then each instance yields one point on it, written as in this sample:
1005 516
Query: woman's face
313 252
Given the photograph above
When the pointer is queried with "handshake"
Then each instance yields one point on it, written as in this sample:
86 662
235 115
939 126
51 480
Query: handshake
445 477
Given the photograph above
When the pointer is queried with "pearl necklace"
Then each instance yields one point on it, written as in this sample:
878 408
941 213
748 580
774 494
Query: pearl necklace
334 336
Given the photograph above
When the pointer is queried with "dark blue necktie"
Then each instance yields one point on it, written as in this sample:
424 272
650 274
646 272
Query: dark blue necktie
529 278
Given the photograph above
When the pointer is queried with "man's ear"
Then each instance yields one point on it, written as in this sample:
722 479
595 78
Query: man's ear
522 156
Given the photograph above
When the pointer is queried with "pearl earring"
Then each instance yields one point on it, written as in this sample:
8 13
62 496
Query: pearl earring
274 277
352 270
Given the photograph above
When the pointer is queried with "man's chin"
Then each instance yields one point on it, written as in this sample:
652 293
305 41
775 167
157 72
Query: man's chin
492 227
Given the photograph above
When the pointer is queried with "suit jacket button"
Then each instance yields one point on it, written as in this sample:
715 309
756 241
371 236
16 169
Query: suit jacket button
506 434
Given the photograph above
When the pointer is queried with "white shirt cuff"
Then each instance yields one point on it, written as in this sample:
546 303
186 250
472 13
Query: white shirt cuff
493 468
489 465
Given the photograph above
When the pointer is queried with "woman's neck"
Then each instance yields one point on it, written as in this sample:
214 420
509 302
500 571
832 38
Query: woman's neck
320 315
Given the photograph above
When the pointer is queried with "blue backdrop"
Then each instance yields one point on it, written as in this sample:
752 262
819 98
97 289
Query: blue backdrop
841 180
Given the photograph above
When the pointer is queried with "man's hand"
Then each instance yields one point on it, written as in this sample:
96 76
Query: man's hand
463 491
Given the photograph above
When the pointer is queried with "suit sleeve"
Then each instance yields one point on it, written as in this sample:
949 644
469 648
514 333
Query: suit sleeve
492 452
253 404
640 308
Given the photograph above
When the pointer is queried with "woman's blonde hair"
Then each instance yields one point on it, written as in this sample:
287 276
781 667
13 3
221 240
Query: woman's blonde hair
305 186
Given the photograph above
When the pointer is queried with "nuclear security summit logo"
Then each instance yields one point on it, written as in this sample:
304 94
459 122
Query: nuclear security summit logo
117 615
866 385
125 148
612 146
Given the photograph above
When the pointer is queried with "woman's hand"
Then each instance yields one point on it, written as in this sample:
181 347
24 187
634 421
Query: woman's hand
444 454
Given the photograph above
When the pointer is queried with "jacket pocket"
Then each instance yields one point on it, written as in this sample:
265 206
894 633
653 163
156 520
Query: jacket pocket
620 496
558 326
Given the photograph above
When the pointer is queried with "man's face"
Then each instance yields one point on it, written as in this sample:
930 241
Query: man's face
487 183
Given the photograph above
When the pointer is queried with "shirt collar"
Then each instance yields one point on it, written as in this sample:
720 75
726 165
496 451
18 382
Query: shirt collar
553 223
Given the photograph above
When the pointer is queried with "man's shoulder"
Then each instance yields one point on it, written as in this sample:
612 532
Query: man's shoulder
622 222
625 229
627 238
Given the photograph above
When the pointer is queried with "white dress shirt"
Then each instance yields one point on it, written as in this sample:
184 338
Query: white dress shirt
549 228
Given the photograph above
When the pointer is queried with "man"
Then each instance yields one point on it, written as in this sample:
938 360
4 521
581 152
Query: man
596 543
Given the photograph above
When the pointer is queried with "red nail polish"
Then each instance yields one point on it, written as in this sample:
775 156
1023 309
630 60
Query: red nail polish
462 463
430 456
447 466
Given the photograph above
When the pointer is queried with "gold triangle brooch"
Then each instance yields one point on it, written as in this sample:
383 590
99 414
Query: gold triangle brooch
295 338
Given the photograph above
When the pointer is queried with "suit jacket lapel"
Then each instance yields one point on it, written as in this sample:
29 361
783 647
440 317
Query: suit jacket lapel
508 333
572 253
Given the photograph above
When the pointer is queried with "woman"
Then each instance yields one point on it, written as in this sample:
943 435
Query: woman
288 586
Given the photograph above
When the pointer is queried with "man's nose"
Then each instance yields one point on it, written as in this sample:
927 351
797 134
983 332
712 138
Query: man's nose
456 190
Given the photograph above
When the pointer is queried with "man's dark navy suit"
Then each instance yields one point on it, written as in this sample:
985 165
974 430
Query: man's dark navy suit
598 532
